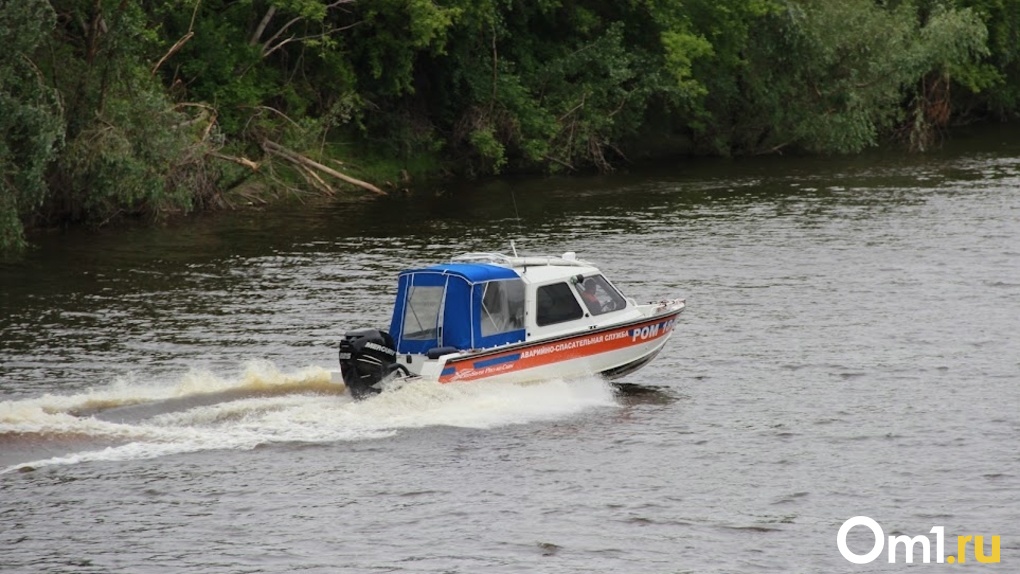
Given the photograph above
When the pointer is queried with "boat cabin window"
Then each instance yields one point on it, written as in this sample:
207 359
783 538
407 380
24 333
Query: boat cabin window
555 304
502 307
599 296
421 317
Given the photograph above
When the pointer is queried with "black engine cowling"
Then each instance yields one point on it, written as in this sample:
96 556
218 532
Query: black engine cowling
367 357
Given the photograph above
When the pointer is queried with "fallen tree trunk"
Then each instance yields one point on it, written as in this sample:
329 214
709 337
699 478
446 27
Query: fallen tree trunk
238 160
306 162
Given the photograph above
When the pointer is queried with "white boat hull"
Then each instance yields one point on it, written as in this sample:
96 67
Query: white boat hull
611 351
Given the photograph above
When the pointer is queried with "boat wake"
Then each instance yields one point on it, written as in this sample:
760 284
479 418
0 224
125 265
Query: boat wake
130 420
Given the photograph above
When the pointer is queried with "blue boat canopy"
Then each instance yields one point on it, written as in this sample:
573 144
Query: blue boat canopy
461 305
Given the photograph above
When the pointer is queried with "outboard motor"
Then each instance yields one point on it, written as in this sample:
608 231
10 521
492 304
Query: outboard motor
368 357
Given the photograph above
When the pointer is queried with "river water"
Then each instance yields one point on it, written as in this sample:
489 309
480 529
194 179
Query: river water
850 348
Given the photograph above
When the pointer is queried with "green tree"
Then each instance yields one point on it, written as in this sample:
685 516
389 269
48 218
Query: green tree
555 85
31 128
273 74
722 121
997 76
831 77
129 150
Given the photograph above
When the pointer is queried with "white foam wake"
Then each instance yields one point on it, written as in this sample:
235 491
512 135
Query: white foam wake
262 405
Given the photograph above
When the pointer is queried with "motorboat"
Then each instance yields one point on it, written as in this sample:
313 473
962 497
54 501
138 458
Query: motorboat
490 316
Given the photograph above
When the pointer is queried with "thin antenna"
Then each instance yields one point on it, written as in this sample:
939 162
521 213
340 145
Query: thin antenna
517 213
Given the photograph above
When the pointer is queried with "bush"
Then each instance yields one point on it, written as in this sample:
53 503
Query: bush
31 130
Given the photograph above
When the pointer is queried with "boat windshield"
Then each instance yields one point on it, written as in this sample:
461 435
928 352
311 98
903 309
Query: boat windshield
502 307
599 295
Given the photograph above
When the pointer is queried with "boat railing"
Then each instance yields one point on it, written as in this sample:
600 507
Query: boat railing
484 257
568 259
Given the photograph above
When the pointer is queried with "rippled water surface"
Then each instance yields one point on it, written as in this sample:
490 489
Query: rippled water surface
850 348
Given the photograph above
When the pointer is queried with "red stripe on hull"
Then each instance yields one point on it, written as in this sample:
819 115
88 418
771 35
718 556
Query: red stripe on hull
539 354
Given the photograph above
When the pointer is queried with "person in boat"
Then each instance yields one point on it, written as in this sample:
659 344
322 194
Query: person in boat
598 295
591 300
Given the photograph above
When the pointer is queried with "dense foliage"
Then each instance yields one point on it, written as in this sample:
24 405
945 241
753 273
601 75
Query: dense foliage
113 108
31 129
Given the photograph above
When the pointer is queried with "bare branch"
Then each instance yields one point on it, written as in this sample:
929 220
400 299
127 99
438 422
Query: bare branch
267 50
279 113
273 38
262 26
315 181
271 45
254 166
560 161
584 96
194 14
173 49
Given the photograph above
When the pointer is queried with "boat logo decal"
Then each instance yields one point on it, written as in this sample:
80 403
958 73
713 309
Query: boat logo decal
496 361
567 349
380 348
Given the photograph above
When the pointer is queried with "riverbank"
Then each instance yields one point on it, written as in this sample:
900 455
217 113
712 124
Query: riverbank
259 197
114 111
